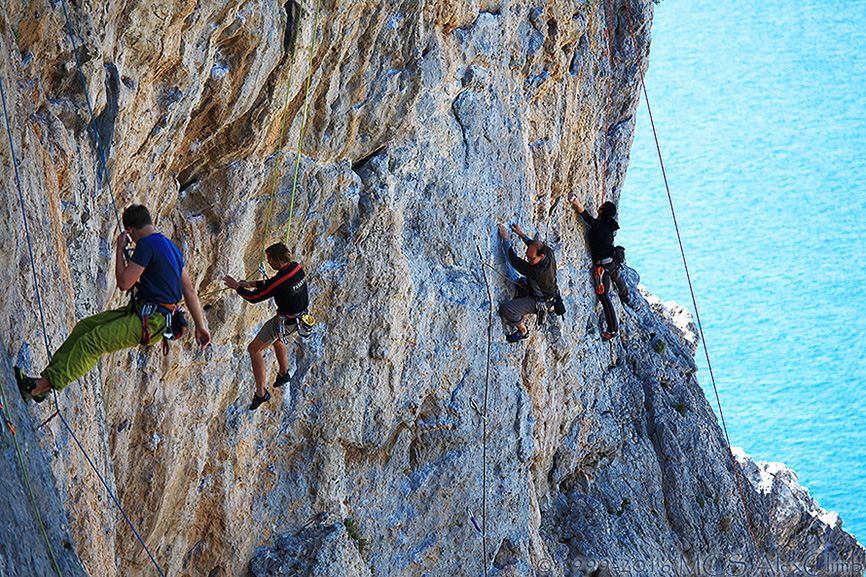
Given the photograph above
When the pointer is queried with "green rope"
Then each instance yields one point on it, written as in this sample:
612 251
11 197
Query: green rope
282 137
27 481
304 118
282 134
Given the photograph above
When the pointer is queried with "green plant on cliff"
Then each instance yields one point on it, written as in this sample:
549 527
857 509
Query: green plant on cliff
355 534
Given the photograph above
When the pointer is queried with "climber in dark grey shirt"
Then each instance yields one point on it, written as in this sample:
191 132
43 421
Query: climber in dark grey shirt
539 284
606 269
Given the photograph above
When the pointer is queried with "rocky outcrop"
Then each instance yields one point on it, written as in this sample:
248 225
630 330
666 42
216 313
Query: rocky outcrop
427 123
810 540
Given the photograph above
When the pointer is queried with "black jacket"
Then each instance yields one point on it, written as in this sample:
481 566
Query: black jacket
288 287
600 235
542 275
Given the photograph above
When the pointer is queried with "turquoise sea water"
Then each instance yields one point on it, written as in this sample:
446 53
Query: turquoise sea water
761 113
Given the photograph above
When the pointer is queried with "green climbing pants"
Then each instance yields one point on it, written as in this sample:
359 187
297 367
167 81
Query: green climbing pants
105 332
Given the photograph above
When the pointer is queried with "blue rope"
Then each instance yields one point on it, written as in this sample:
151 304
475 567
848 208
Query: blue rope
41 315
92 119
26 226
113 498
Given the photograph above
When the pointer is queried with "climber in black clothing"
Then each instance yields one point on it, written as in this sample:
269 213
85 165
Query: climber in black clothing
600 234
538 286
289 290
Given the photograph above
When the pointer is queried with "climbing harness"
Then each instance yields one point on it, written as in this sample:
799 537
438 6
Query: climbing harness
175 322
549 304
288 324
694 299
598 270
598 279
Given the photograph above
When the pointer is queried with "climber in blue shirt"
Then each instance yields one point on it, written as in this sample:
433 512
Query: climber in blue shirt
157 268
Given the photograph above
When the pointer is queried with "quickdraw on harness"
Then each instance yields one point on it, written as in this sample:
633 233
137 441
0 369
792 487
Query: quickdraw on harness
598 275
175 322
606 264
288 324
546 304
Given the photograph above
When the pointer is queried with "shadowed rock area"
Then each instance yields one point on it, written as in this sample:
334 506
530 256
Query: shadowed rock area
414 127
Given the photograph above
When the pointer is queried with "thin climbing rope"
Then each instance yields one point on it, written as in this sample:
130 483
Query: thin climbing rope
494 269
110 493
92 118
607 105
120 228
282 131
304 117
692 292
27 481
270 208
48 346
36 282
484 415
41 316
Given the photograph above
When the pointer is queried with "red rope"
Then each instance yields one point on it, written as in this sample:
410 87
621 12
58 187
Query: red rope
607 113
692 291
45 422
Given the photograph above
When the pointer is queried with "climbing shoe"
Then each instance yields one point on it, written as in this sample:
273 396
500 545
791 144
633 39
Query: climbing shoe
282 379
516 336
26 385
257 400
606 336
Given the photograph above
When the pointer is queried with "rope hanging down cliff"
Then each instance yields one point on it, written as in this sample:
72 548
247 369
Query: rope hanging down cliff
303 118
609 45
42 317
92 119
483 414
282 132
48 350
38 293
302 131
269 210
692 292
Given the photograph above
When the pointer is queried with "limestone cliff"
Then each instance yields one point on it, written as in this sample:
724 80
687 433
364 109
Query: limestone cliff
426 123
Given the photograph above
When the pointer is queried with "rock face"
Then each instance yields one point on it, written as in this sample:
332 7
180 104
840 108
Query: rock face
810 540
414 127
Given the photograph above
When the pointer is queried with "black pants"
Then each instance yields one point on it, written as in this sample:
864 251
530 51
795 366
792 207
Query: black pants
611 273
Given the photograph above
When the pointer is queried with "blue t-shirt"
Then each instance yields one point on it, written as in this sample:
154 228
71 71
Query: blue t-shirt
163 264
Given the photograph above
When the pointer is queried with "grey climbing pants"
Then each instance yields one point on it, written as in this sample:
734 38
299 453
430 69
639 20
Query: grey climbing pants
514 310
